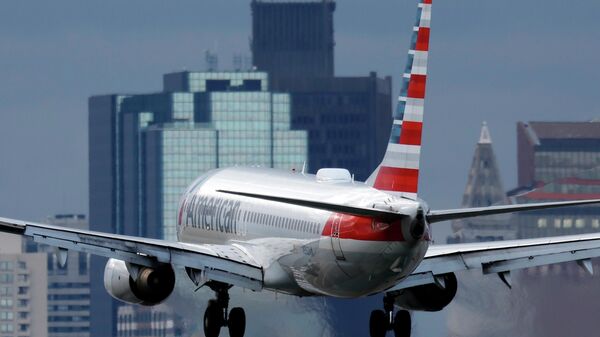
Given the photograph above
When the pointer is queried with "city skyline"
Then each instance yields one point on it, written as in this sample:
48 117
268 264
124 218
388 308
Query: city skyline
484 66
478 51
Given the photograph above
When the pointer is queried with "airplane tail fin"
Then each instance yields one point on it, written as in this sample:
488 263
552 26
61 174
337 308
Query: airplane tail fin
399 171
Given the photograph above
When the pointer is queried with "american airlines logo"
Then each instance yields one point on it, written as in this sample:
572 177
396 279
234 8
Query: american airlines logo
212 213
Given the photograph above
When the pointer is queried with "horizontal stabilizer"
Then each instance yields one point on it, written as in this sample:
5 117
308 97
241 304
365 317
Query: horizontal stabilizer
352 210
451 214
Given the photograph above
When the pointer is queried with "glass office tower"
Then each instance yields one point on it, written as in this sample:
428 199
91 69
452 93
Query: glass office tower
146 149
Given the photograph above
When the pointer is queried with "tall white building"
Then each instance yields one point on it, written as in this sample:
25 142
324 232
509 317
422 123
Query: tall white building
68 285
23 290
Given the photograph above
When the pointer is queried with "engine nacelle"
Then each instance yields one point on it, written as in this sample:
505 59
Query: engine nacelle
427 297
152 286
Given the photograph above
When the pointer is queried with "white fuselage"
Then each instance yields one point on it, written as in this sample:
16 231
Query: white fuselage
304 251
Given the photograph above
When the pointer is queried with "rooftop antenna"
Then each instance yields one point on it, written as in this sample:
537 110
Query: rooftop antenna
212 61
247 63
304 168
237 61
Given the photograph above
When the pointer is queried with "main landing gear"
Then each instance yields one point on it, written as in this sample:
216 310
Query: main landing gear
383 321
216 316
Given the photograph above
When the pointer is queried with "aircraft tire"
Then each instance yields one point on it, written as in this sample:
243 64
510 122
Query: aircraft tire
237 322
213 319
402 324
377 324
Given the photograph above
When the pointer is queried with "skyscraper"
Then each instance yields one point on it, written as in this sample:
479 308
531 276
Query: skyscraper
146 149
348 118
484 188
293 39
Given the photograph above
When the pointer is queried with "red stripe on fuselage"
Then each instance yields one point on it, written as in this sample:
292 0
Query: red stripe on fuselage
364 228
397 179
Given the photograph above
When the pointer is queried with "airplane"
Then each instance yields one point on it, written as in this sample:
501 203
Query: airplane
317 235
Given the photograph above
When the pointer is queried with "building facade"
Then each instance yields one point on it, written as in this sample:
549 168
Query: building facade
146 149
68 284
348 120
558 161
293 39
23 290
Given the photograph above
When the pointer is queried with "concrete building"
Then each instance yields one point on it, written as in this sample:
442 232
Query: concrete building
293 39
23 290
68 285
146 149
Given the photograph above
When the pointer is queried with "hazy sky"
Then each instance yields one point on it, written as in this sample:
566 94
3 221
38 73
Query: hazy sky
498 61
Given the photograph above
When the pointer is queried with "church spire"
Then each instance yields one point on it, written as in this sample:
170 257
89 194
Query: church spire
485 137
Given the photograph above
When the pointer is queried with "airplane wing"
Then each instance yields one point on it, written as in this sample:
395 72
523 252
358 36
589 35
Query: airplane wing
462 213
225 263
501 257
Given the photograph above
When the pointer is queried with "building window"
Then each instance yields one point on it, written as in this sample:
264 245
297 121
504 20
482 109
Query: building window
6 278
557 223
83 263
6 302
580 223
596 223
568 223
542 223
6 265
6 315
6 327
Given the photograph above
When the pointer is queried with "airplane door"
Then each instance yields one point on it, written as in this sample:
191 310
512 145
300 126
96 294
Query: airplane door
336 245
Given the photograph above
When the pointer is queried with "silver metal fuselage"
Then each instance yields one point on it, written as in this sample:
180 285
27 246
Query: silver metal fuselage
303 251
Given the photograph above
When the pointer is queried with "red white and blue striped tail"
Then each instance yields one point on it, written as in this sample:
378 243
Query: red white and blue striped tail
399 171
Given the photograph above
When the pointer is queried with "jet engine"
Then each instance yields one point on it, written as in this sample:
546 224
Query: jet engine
150 287
428 297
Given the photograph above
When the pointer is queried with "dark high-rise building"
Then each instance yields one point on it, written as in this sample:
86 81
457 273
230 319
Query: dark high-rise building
348 120
146 149
293 39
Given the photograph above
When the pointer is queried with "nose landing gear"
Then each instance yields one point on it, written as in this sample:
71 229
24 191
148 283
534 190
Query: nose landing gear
215 316
382 321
